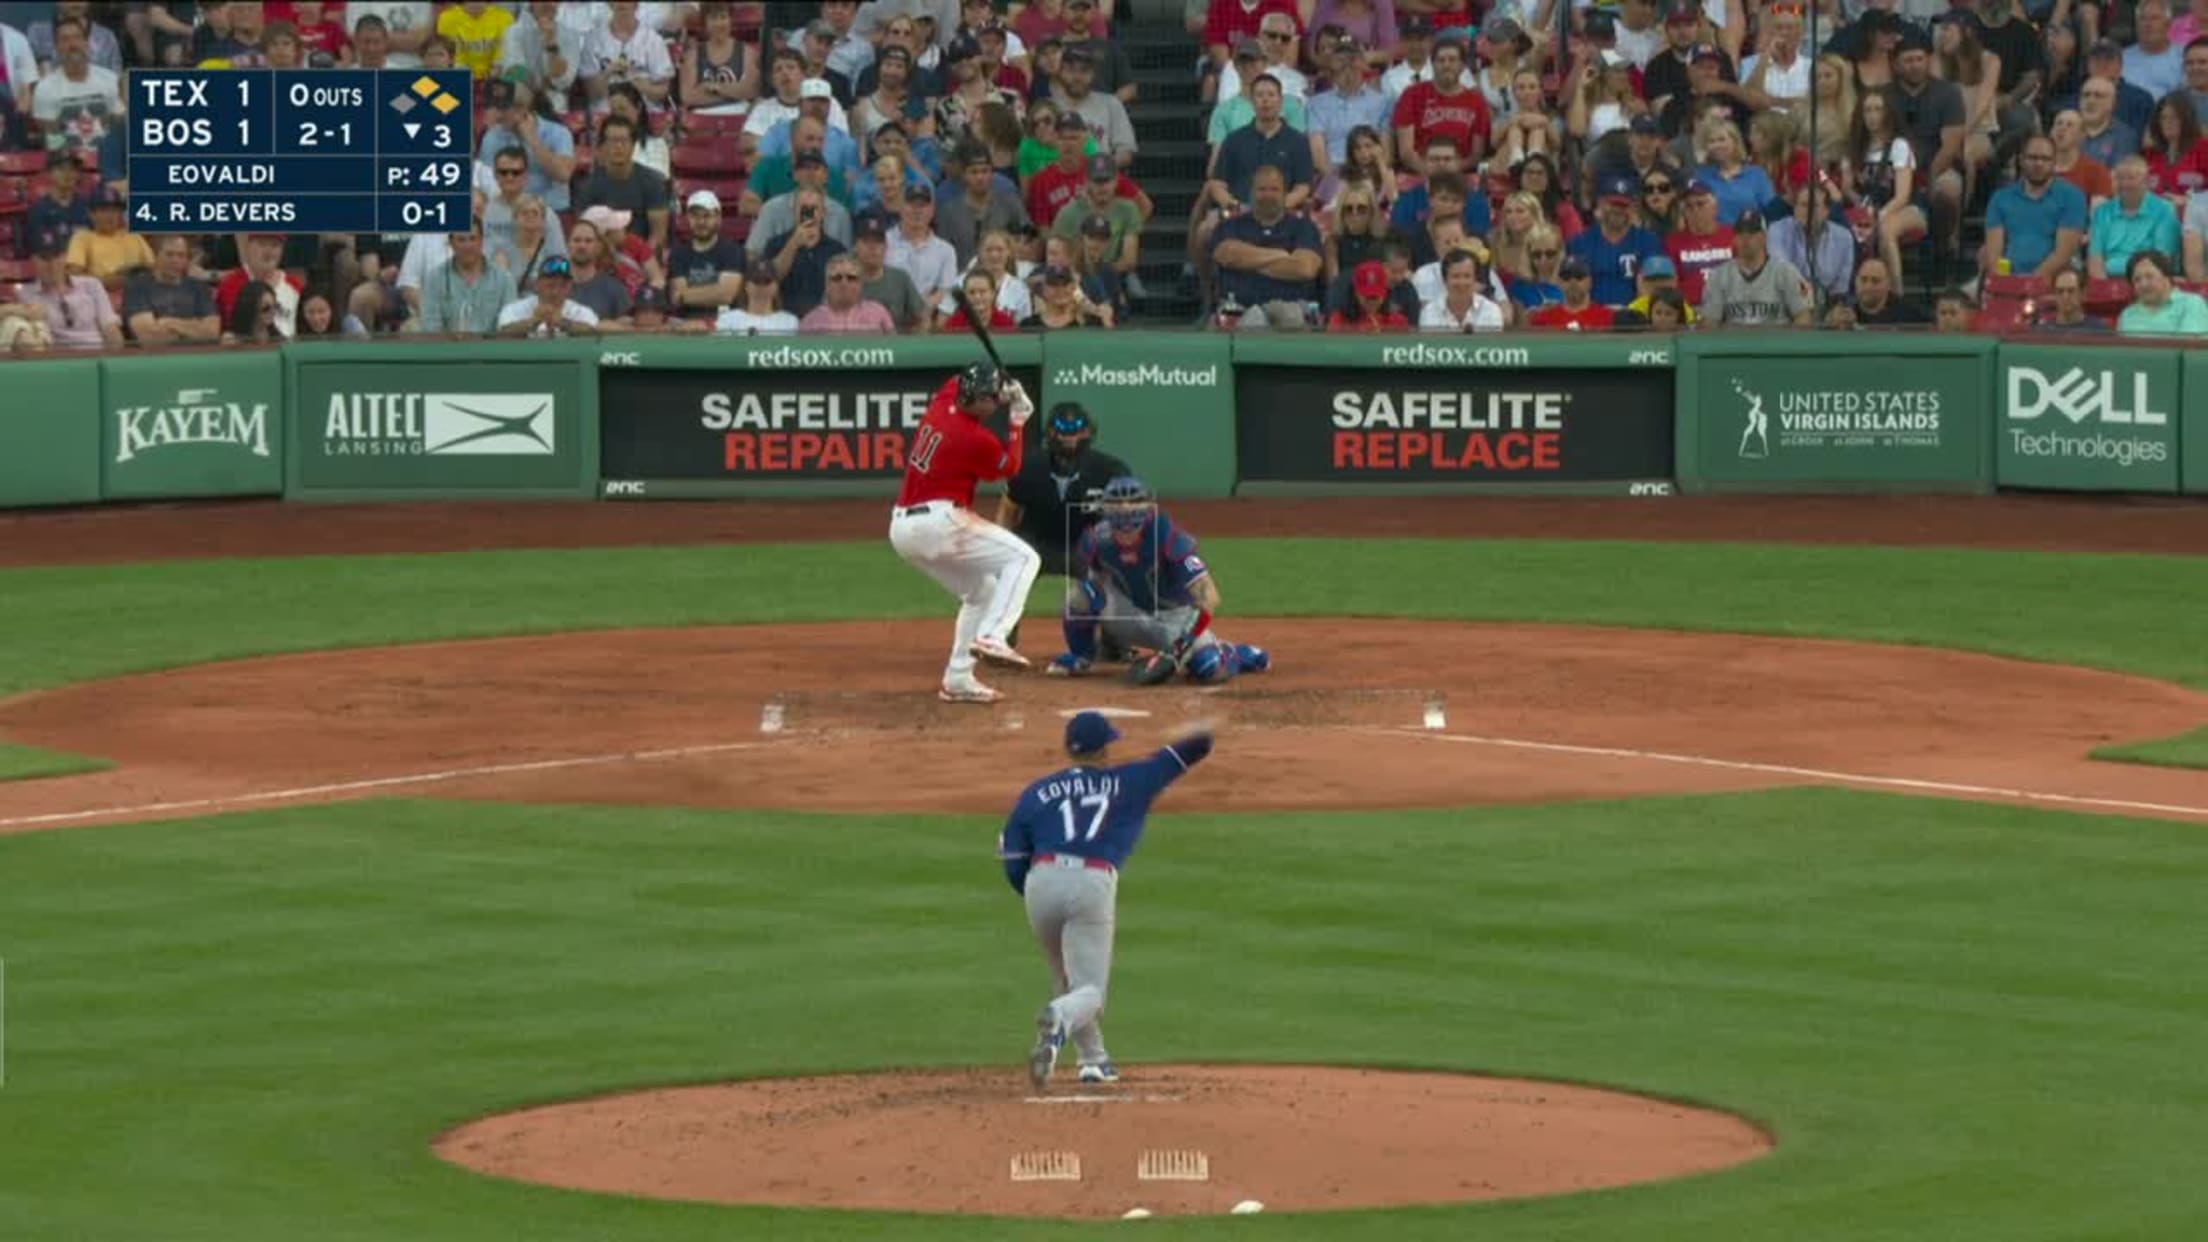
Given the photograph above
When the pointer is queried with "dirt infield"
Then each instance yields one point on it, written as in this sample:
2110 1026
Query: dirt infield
270 528
1292 1138
734 718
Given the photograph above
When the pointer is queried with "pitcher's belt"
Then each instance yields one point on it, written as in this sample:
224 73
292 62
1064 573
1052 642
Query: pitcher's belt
1072 861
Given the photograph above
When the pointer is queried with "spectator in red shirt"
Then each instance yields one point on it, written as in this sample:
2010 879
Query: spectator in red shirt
1578 312
258 260
1700 244
981 290
1231 21
1448 104
318 34
1062 180
1370 310
2177 160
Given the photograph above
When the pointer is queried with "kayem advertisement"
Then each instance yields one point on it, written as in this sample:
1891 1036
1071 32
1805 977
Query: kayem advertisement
2095 419
1532 427
755 426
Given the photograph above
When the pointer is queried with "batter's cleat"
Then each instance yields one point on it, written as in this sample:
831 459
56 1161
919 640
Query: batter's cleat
996 651
1101 1072
1066 665
1050 1036
967 691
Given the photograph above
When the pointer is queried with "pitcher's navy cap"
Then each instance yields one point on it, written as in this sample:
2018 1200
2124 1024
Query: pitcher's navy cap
1088 733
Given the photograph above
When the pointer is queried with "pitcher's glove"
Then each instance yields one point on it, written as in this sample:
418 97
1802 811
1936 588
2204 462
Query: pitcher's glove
1152 669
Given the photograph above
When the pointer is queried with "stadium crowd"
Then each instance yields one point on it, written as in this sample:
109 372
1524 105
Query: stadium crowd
1372 165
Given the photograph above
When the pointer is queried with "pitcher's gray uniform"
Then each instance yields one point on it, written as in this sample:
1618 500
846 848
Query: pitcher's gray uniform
1062 848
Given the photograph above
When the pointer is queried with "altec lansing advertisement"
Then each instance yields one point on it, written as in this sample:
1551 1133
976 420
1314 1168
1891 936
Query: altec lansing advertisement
430 427
2099 419
1307 425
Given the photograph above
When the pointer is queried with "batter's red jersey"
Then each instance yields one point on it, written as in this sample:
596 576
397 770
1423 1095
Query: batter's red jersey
952 453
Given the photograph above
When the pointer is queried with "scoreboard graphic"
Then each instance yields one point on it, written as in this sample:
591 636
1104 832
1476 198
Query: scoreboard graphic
301 150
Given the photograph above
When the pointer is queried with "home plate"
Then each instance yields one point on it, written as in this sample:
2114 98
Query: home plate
1117 713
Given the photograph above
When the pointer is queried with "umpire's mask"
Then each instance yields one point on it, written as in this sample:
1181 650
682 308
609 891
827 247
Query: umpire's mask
1070 430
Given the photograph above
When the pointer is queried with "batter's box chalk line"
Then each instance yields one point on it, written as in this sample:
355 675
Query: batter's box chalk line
1173 1166
848 713
1046 1166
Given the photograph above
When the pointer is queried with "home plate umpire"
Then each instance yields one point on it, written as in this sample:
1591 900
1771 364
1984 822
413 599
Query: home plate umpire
1054 496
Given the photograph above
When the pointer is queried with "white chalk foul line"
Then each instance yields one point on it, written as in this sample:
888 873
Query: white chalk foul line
1818 774
380 782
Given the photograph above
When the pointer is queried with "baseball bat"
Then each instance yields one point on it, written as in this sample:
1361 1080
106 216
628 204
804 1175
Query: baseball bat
979 323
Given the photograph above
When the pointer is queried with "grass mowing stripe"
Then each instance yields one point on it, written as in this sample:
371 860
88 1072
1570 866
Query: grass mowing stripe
2127 613
1951 1016
22 763
2187 750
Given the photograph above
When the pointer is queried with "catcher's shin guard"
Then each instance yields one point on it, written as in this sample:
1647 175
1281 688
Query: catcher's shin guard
1213 663
1084 604
1253 659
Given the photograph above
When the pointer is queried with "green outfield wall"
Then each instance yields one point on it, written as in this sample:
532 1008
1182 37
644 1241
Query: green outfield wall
1199 414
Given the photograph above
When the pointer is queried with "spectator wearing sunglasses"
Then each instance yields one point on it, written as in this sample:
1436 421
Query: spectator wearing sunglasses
1578 311
1543 283
1658 211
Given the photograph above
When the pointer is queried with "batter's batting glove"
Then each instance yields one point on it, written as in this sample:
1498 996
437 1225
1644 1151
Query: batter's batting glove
1022 408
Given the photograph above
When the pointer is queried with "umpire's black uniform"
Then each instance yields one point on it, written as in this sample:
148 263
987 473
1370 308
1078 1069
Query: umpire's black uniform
1055 506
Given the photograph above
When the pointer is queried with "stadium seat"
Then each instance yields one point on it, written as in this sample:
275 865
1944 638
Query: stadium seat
2107 297
711 157
2194 286
2015 286
11 241
13 270
2004 314
717 125
15 195
22 163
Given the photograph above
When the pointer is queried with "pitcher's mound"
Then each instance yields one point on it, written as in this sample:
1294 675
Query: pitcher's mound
1294 1138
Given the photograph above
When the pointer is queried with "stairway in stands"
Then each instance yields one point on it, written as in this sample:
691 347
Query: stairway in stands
1169 164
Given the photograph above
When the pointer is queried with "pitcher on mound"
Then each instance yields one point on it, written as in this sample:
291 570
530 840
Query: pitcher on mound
934 526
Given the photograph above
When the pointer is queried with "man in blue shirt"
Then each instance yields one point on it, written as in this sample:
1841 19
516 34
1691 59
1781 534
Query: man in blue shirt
2038 222
1269 261
1616 247
2129 223
1351 101
1062 848
1414 207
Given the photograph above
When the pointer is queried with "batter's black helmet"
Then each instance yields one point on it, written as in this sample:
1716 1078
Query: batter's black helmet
978 380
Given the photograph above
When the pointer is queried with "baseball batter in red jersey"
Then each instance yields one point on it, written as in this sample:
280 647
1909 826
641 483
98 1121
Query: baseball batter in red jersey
934 526
1447 105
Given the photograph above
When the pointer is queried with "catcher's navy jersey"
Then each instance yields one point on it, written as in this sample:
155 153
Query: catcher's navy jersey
1154 574
1092 812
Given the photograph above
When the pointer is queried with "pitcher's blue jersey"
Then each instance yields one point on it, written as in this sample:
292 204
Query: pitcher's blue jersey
1091 812
1154 574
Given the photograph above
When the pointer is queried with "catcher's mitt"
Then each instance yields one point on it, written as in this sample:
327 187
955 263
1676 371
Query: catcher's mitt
1153 669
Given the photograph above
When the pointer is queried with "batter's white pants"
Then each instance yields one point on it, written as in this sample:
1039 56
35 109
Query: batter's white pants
987 567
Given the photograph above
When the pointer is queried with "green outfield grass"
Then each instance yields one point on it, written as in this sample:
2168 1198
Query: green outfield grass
1962 1021
2186 750
2136 614
22 763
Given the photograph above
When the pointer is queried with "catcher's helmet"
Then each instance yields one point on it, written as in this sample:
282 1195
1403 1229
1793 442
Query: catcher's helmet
978 380
1127 502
